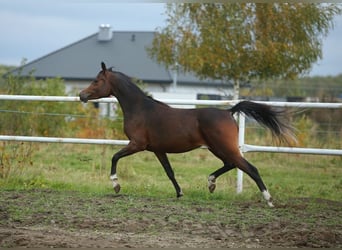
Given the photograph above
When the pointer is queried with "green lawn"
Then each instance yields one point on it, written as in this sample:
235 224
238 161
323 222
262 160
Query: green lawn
86 168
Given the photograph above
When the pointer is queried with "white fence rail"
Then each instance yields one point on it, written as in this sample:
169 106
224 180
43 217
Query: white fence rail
243 147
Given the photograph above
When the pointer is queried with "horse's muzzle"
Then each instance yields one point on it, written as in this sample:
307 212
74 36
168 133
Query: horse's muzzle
84 97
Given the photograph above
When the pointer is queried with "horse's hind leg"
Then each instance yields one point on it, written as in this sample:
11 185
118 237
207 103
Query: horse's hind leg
253 172
162 157
221 139
212 177
236 160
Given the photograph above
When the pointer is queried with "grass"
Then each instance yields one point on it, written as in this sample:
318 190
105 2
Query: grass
86 168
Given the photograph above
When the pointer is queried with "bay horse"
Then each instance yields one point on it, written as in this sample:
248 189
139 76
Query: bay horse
154 126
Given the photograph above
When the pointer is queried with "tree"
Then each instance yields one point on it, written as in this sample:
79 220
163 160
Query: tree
243 41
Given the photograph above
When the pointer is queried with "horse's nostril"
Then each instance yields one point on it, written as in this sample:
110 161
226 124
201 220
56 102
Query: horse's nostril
84 96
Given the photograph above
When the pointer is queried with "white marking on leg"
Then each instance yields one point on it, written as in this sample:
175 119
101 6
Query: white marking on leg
113 177
266 195
268 198
211 178
211 183
116 184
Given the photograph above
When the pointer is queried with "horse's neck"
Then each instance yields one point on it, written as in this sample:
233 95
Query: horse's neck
130 97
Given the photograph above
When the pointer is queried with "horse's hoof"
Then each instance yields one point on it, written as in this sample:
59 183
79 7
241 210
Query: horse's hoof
116 187
212 187
180 194
270 204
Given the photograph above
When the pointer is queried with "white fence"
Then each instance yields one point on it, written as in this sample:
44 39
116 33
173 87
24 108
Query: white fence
243 147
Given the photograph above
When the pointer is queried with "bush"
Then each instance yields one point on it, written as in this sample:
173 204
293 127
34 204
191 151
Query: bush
33 118
15 157
59 119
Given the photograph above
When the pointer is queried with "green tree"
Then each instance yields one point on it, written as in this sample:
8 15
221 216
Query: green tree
243 41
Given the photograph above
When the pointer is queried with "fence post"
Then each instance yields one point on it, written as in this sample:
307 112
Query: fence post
239 182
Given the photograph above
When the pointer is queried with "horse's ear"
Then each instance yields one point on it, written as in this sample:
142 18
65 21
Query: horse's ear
103 66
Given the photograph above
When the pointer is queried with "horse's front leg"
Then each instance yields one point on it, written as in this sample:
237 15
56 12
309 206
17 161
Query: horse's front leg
131 148
162 157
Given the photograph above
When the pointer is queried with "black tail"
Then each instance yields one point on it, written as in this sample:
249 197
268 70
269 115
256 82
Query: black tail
268 117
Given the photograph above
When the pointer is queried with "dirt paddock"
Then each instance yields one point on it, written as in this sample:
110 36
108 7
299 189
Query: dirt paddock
43 218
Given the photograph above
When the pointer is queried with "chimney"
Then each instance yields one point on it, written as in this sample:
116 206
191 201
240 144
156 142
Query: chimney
105 33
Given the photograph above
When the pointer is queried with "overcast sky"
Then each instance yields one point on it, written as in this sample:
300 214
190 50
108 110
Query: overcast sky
33 28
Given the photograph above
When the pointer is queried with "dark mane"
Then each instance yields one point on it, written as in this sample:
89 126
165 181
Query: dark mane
132 86
120 74
127 83
162 103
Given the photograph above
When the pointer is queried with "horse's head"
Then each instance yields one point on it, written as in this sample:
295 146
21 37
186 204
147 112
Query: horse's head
99 88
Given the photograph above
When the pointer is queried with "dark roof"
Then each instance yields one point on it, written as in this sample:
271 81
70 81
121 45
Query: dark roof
125 51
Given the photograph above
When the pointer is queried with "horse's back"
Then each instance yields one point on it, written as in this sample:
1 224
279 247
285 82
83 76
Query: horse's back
214 116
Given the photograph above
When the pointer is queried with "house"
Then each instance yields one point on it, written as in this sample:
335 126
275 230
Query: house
79 63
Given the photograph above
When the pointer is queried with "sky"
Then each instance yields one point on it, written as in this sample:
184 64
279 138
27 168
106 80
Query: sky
33 28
